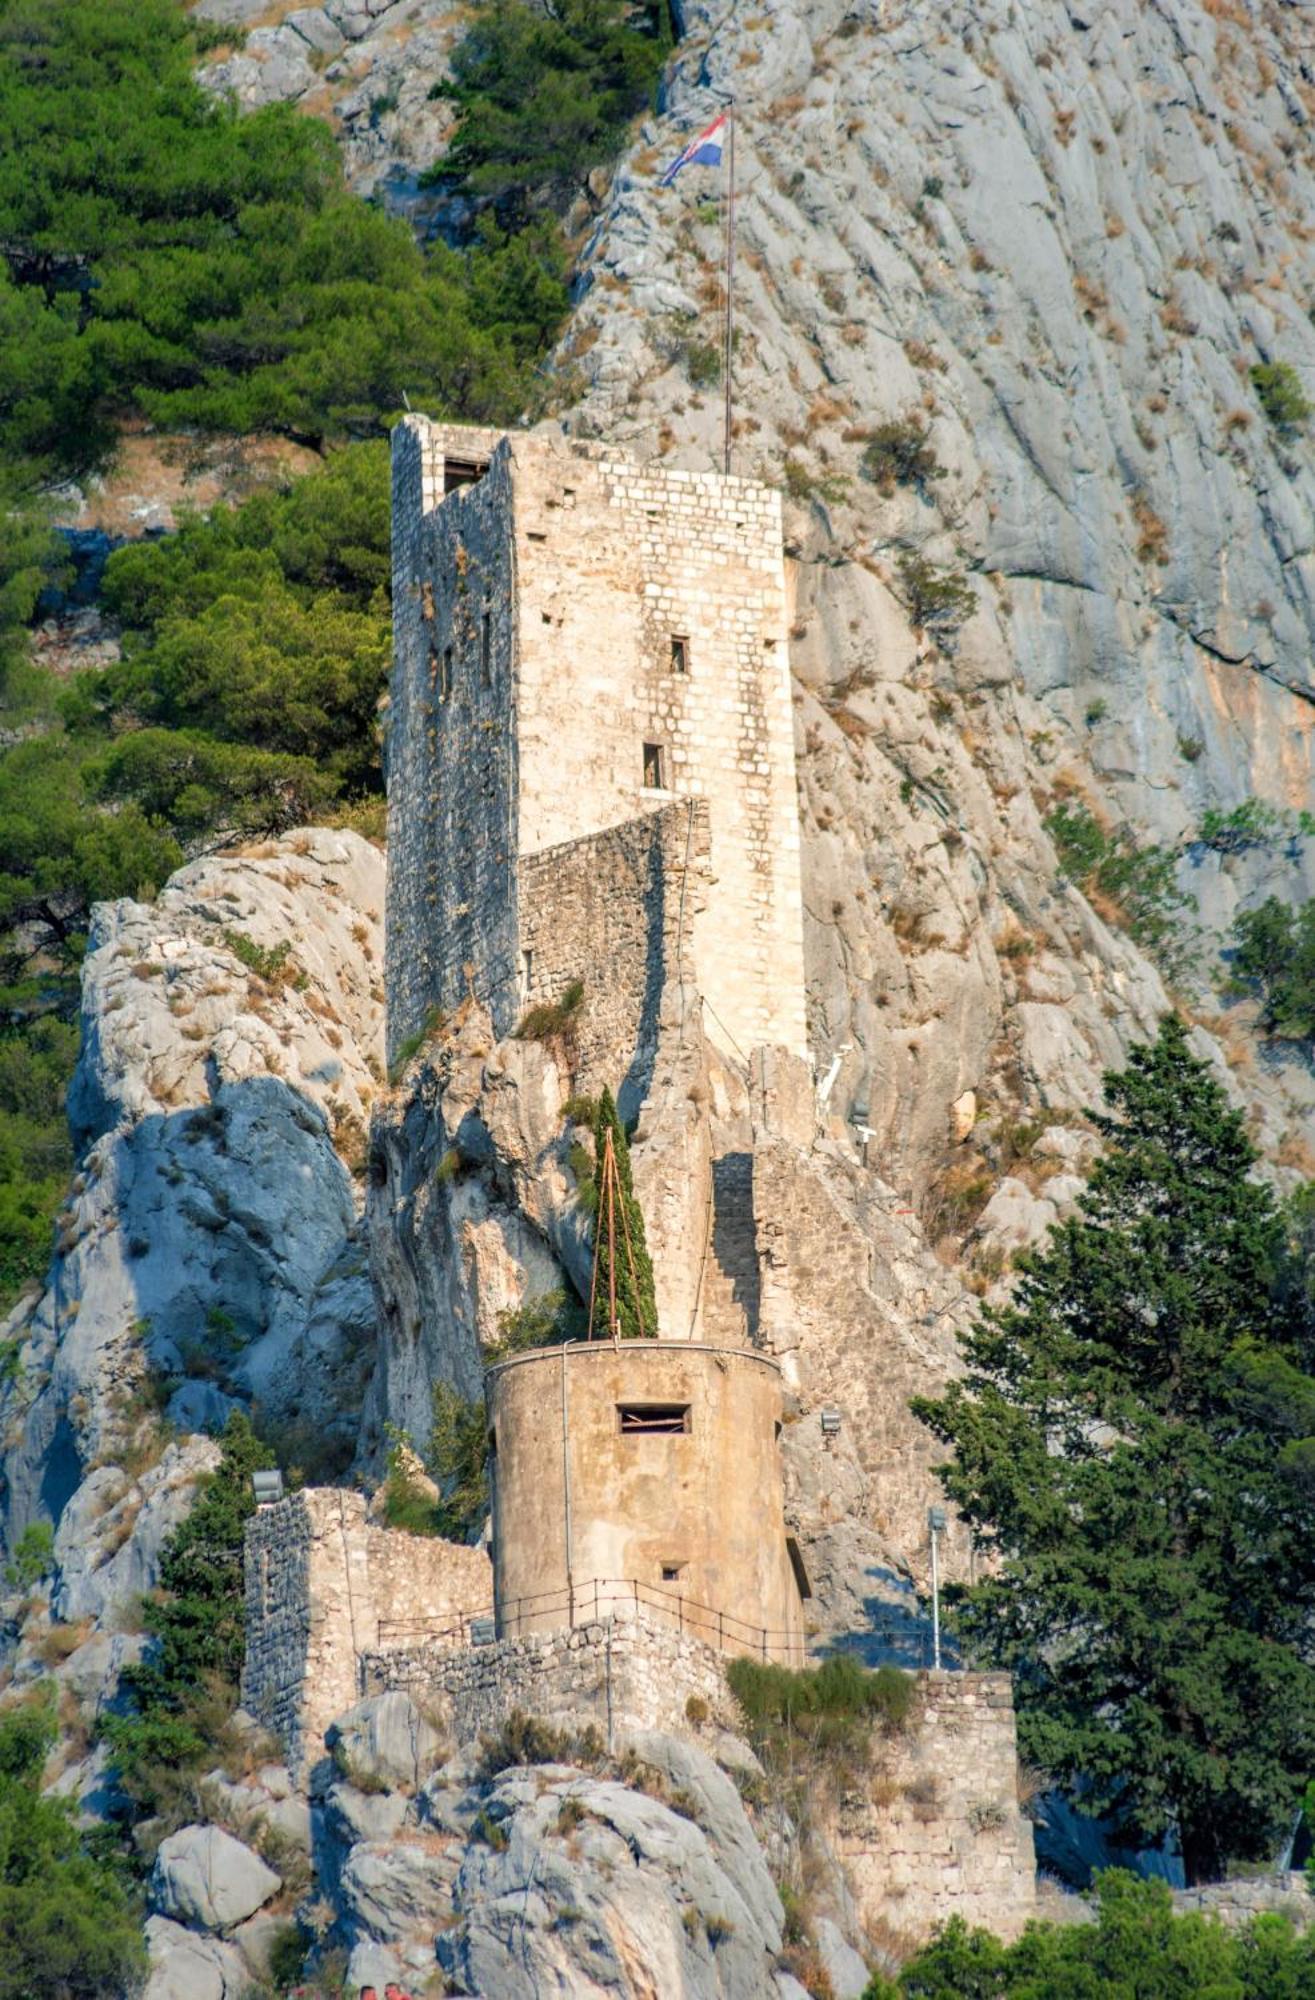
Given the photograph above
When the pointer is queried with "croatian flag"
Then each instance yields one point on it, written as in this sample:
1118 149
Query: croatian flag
705 151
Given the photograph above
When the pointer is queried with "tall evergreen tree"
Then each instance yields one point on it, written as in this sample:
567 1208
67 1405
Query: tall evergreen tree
1135 1443
624 1246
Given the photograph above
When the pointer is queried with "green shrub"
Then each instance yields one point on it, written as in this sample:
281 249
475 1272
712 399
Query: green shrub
936 600
268 962
703 363
1129 885
455 1459
544 97
899 453
551 1018
527 1739
803 485
1282 398
68 1925
412 1044
1252 824
183 1692
1274 957
34 1556
544 1321
1138 1946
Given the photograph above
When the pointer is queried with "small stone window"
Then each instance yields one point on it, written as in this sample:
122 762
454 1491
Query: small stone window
672 1572
652 1419
679 653
527 973
445 674
462 472
655 768
486 650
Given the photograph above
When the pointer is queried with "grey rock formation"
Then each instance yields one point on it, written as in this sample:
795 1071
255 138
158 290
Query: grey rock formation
385 1740
204 1877
210 1232
185 1966
1057 242
368 65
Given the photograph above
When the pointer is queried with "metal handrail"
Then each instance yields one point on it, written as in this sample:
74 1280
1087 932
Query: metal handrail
597 1598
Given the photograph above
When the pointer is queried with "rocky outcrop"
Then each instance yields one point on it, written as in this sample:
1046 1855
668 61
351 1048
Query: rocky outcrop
558 1879
1059 244
209 1255
203 1877
368 66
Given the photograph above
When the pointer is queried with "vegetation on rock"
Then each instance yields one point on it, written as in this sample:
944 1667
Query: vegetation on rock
621 1247
1282 397
68 1925
1274 956
186 1689
1137 1948
1135 1443
455 1459
543 94
1127 884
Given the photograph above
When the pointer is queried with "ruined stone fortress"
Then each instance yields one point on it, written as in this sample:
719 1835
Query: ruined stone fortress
580 642
591 779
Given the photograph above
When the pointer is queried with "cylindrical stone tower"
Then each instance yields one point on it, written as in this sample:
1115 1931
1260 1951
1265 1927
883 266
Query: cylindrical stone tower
644 1472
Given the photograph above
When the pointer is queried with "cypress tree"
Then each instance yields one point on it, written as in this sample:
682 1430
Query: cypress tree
1135 1447
636 1304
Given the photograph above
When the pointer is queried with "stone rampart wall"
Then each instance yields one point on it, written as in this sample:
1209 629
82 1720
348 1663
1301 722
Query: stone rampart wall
619 1674
615 910
324 1585
937 1831
1286 1895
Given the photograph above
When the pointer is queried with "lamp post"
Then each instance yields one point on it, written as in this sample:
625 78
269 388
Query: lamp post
936 1522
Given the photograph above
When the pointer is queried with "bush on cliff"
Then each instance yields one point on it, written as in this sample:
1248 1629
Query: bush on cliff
1133 1448
186 1688
1137 1949
68 1926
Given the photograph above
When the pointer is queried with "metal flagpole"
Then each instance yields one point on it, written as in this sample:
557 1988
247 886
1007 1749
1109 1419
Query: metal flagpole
730 284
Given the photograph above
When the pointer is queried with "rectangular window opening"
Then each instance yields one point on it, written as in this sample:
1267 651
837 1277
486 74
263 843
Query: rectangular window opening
445 674
652 1419
679 653
672 1572
462 472
655 768
486 650
527 972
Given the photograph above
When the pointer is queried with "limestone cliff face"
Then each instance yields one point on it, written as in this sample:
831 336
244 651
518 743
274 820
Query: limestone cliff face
232 1043
1060 237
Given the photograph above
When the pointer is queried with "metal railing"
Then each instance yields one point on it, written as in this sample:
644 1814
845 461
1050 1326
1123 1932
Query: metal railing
596 1599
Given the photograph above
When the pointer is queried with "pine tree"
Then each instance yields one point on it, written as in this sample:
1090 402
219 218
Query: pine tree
622 1244
1135 1443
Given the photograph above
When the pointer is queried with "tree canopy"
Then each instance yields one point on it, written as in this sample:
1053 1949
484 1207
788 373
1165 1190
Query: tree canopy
1135 1445
188 1685
621 1247
1137 1949
544 91
67 1924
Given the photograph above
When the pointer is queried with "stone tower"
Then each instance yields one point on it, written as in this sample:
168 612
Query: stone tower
583 645
644 1473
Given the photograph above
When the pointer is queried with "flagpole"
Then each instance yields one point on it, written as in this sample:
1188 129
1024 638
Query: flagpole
728 358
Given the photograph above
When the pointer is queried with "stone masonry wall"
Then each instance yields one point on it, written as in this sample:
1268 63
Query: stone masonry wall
614 563
323 1586
450 750
580 641
619 1674
615 910
938 1832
